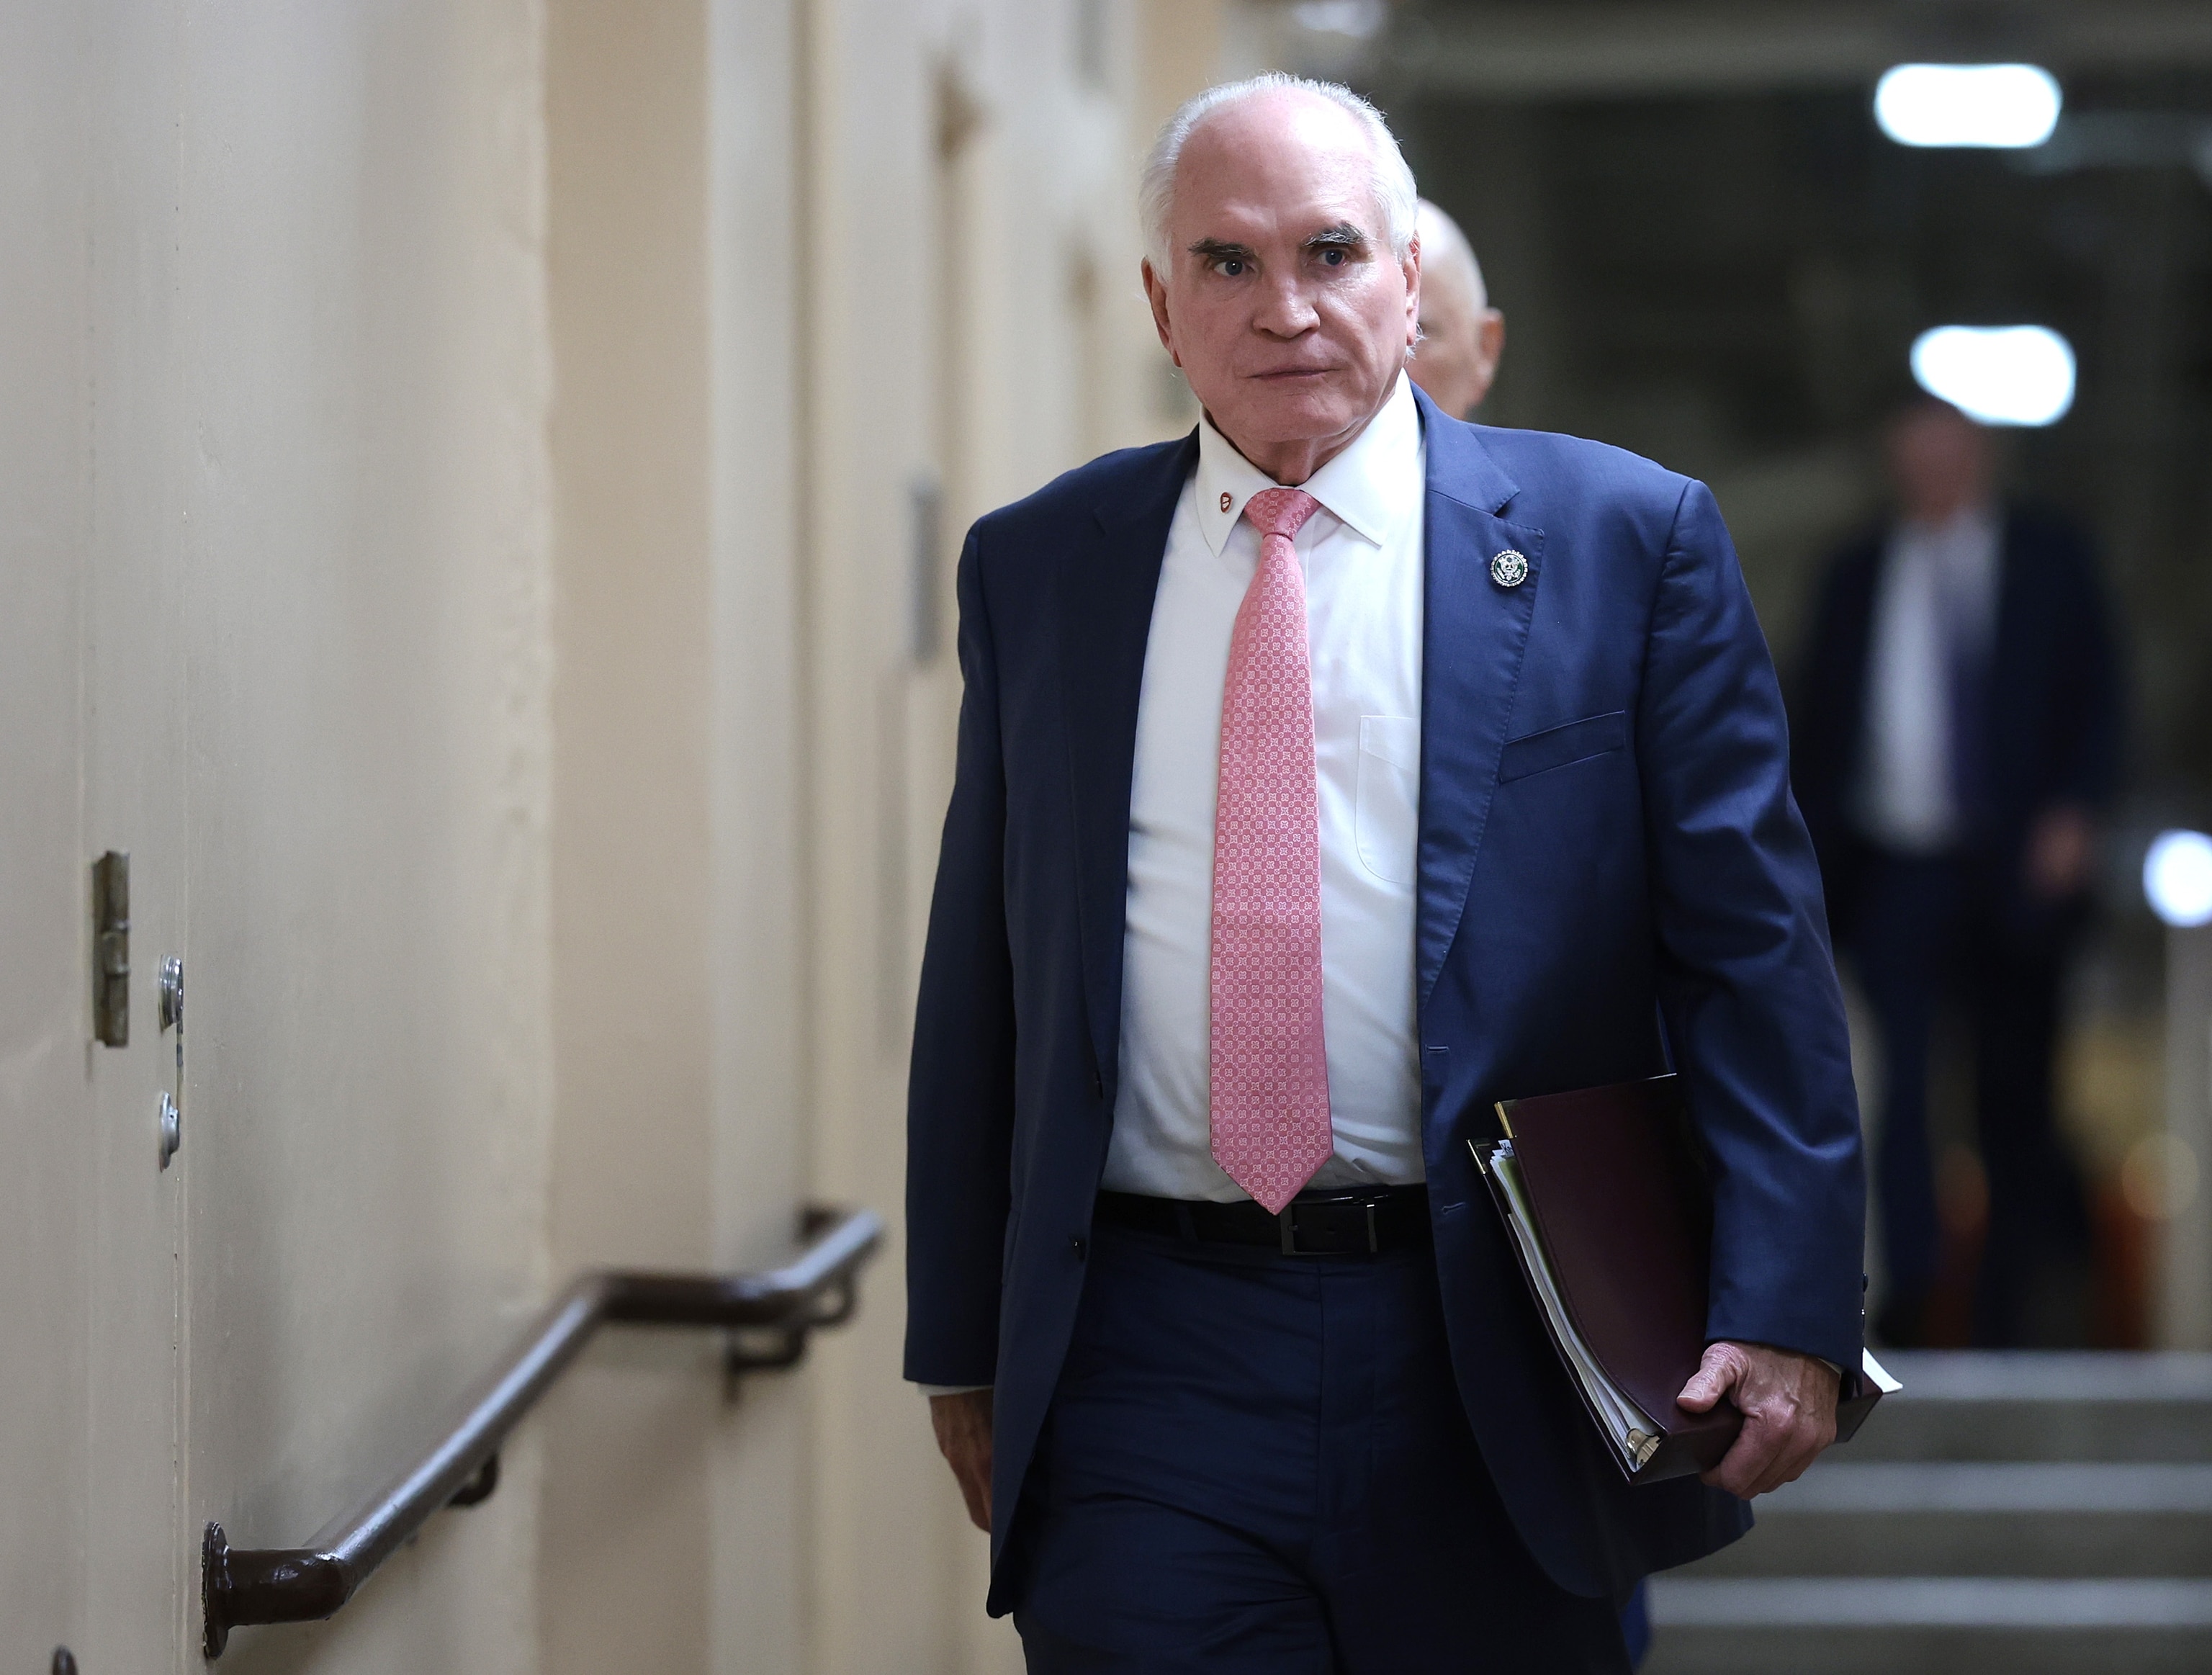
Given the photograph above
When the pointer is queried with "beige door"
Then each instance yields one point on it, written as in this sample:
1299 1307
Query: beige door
45 1061
91 1549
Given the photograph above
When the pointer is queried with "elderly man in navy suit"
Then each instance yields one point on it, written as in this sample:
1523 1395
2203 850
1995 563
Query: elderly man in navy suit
1325 777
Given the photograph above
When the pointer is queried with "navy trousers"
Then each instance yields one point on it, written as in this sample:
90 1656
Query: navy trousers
1928 939
1256 1463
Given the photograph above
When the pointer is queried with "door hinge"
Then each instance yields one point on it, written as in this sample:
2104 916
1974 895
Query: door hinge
172 1011
111 949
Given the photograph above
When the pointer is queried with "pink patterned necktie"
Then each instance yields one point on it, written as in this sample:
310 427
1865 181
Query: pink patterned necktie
1270 1104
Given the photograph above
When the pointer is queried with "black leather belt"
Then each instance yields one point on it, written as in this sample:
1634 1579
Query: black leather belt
1365 1222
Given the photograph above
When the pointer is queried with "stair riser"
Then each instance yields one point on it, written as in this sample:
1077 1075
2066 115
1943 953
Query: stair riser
1901 1429
1825 1650
1936 1544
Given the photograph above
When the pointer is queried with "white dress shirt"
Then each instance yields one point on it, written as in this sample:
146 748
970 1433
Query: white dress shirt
1362 557
1938 581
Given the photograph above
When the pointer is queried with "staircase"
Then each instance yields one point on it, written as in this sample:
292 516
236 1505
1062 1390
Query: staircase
2026 1512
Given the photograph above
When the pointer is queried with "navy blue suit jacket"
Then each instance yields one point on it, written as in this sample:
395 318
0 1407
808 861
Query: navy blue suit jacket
1612 873
2054 704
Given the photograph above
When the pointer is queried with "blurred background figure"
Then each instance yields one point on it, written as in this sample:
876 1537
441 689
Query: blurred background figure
1958 729
1461 335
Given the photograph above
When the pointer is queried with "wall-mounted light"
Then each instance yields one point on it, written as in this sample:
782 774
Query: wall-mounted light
1998 375
2005 104
2177 878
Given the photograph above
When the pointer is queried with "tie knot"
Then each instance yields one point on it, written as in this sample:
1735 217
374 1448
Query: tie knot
1280 511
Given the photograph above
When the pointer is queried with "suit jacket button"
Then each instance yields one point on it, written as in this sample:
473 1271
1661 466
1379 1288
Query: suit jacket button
1077 1245
1098 1086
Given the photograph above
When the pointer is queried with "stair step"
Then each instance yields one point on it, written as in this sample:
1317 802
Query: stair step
1888 1486
2050 1376
1938 1625
1932 1602
2053 1406
2033 1513
1890 1518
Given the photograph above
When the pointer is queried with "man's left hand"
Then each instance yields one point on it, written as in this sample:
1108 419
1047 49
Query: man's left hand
1788 1407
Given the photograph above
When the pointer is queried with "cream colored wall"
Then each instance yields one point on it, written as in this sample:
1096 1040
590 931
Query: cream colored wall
886 1573
626 1516
974 314
353 393
671 1528
756 767
456 459
276 544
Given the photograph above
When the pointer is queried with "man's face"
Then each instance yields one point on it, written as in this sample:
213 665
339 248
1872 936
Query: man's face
1940 461
1459 347
1284 304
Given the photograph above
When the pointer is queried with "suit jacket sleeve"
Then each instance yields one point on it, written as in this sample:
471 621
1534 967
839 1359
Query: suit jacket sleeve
960 1099
1747 985
2091 703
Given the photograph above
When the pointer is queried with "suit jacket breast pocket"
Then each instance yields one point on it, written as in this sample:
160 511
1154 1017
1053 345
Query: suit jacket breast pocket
1562 746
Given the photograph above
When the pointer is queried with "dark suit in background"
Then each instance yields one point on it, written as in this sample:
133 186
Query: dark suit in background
1962 926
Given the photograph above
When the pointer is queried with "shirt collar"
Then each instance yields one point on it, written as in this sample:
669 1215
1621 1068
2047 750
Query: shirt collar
1368 488
1970 526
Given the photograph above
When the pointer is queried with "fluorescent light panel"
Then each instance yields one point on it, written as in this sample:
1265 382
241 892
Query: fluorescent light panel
1998 375
2011 105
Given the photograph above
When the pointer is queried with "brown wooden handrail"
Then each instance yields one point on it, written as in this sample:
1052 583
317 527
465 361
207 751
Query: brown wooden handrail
240 1586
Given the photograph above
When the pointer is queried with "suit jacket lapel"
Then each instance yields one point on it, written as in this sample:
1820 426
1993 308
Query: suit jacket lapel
1107 586
1472 637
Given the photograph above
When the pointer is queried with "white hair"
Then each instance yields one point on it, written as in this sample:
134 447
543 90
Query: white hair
1447 255
1395 193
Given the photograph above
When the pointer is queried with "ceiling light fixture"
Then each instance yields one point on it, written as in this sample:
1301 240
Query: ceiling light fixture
2011 105
2177 878
1998 375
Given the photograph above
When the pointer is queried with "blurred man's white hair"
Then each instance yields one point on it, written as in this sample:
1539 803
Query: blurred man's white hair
1395 193
1447 258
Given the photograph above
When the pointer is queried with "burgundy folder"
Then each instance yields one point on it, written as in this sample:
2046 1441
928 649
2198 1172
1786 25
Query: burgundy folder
1604 1197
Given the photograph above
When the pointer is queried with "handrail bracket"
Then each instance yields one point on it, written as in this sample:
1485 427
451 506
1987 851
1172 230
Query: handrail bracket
265 1584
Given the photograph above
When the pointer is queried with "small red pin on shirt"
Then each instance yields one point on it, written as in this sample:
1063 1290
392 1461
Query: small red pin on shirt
1224 500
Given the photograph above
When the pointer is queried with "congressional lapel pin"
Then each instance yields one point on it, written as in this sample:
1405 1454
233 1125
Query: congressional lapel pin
1509 568
1224 500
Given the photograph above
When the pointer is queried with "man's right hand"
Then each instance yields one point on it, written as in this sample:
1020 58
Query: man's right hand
963 1436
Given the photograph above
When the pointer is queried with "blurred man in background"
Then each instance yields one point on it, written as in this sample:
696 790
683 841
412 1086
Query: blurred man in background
1957 730
1461 335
